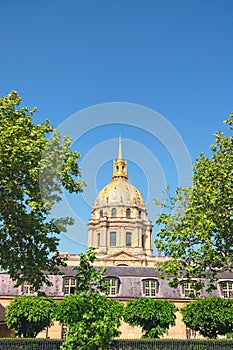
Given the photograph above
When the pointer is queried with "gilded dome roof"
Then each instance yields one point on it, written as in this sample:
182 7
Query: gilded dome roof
119 191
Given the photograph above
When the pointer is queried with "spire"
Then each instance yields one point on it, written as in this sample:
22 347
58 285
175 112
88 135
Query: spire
120 149
120 165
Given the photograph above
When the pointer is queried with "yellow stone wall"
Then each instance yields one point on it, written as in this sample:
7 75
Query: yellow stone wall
128 332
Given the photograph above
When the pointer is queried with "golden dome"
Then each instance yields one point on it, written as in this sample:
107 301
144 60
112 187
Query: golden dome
119 191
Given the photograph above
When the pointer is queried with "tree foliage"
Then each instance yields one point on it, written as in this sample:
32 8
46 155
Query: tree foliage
197 223
209 316
89 278
154 316
29 315
33 169
91 318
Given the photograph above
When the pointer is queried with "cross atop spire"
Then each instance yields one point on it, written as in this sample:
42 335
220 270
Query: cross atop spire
120 165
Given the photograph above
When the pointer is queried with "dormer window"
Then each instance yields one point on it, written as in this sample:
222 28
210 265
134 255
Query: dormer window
226 289
188 289
150 287
69 285
113 286
28 289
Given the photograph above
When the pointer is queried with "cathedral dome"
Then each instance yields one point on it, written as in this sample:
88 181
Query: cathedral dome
119 191
119 219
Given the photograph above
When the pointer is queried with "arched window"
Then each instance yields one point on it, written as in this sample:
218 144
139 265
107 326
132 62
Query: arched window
101 213
128 239
113 212
128 213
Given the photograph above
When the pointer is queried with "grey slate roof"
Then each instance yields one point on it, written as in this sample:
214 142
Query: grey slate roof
130 283
131 271
2 313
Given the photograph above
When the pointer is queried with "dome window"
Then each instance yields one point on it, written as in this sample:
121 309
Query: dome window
128 239
113 212
128 213
112 239
101 213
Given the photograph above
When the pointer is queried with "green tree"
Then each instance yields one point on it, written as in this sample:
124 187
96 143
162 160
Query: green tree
29 315
91 318
33 169
210 317
89 278
197 223
154 316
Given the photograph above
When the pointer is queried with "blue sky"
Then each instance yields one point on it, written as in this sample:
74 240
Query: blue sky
158 72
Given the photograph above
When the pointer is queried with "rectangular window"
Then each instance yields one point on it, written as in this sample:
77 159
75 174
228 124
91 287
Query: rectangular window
28 288
112 286
112 239
128 239
150 288
227 289
69 285
188 289
190 334
64 330
98 239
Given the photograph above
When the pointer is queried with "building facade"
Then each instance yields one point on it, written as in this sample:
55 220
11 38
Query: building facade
121 232
119 227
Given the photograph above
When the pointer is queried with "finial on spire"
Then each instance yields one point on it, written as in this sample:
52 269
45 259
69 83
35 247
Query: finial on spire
120 149
120 165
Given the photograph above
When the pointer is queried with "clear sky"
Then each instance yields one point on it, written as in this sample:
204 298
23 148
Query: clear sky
158 72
